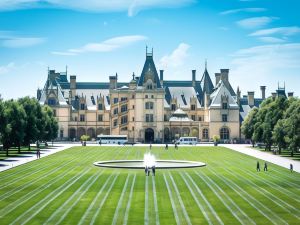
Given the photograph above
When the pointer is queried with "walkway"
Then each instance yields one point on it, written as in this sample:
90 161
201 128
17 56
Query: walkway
9 163
266 156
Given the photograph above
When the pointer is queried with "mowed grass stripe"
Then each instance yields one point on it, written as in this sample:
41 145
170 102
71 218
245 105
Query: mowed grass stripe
257 205
155 202
129 201
186 216
146 213
98 209
255 176
89 211
30 213
116 215
235 210
38 190
267 194
60 213
203 209
175 211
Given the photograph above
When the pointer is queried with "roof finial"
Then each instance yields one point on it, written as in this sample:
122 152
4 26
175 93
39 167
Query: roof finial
205 64
66 69
146 50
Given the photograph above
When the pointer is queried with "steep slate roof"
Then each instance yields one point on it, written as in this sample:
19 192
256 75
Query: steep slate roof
206 83
149 66
245 108
196 92
220 90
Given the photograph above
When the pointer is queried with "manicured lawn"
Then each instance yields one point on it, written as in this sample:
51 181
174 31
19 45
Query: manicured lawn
66 188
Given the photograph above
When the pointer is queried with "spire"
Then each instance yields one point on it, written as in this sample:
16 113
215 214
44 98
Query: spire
206 83
66 69
205 64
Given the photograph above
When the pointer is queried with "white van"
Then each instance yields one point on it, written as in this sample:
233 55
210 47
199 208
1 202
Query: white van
187 141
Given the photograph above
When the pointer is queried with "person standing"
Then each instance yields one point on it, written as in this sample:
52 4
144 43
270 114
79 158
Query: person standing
291 168
257 166
153 170
146 170
266 167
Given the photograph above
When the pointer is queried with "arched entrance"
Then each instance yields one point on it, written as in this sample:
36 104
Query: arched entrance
149 135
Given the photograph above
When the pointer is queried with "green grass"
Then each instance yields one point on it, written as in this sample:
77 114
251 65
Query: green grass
65 188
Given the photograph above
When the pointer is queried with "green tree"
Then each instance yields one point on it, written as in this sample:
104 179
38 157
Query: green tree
279 135
248 124
292 126
16 117
31 107
51 125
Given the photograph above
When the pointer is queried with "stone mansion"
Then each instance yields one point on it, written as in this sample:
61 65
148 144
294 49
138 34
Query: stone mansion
147 108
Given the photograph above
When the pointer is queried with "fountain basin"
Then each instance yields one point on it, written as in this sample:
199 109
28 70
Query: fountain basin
140 164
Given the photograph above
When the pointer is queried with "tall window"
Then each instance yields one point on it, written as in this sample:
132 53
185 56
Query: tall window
149 117
205 133
193 107
116 111
123 108
165 117
123 119
61 134
224 133
149 105
149 86
224 105
82 106
100 106
193 117
116 100
200 118
115 122
123 99
82 118
224 118
100 118
173 107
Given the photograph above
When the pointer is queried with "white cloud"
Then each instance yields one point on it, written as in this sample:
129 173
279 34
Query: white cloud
21 42
131 6
255 22
176 58
250 10
266 65
104 46
286 31
6 68
272 40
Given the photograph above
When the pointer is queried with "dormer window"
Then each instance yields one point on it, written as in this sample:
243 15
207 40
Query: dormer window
173 107
149 86
51 101
100 106
82 106
193 107
224 105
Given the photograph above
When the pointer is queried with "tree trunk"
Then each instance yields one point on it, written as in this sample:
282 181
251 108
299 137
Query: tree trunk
279 150
252 143
292 153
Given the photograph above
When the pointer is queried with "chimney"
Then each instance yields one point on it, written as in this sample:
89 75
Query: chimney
38 94
290 94
263 92
73 85
274 94
161 77
224 74
251 98
113 82
238 92
194 78
218 77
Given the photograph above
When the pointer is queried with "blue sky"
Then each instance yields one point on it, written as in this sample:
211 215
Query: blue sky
258 40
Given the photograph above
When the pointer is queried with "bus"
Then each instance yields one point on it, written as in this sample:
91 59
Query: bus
112 139
187 141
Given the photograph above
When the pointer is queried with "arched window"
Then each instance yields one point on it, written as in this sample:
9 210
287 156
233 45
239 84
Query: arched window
224 133
149 105
205 133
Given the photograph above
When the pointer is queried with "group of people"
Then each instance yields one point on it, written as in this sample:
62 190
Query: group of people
147 170
266 167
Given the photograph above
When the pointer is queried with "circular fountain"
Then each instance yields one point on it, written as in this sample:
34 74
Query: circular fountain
149 161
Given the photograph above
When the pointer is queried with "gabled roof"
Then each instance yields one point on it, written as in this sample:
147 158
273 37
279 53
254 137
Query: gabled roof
206 83
216 96
149 66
